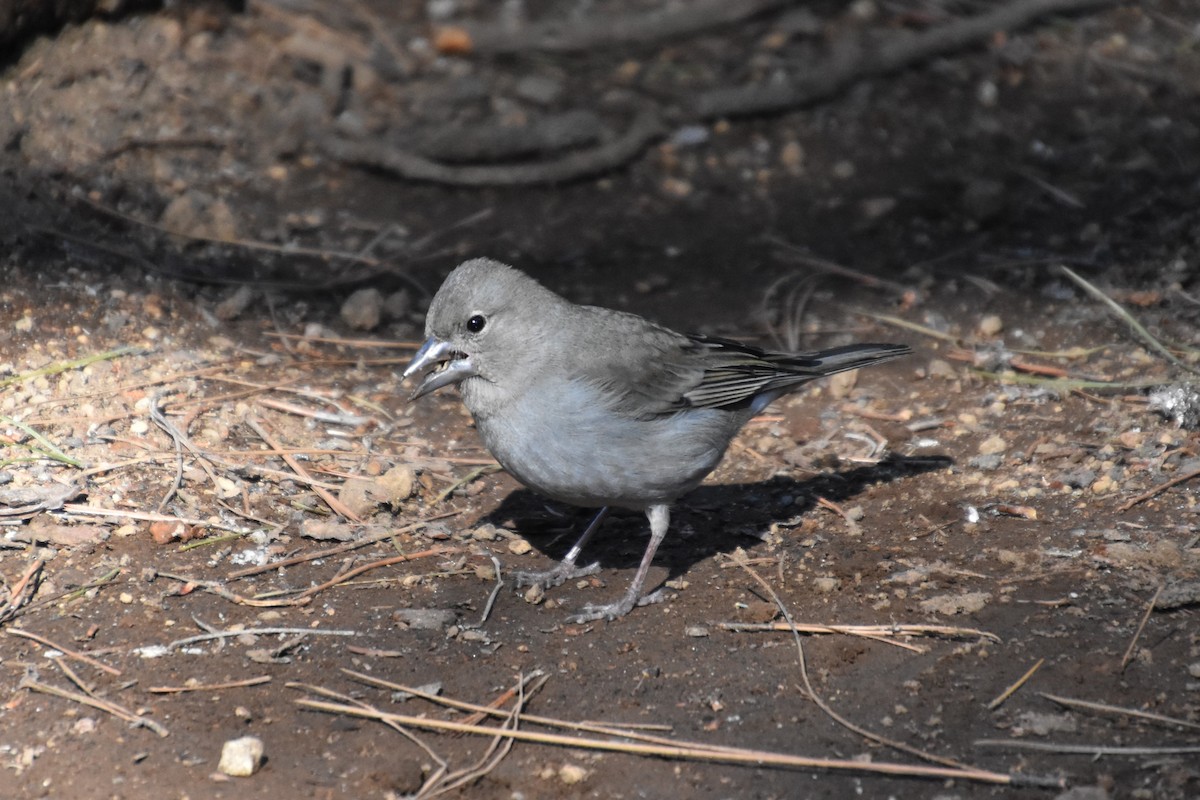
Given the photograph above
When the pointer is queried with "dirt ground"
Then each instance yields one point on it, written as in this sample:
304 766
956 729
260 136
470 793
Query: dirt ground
219 504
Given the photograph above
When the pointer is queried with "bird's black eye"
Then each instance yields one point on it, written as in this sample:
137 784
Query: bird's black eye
475 324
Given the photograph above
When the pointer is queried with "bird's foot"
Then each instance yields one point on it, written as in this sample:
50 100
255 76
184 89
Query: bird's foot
554 577
610 611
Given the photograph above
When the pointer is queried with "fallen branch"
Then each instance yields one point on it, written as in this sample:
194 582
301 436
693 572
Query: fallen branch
563 36
854 64
401 163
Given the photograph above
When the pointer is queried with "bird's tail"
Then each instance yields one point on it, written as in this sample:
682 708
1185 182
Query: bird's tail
841 359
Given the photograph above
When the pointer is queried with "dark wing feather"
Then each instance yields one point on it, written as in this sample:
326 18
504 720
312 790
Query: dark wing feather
645 370
738 374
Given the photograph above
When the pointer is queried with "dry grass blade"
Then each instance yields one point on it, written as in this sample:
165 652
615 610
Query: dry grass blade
214 587
500 746
335 505
1138 329
1093 750
82 657
486 469
828 709
209 687
342 577
22 592
204 637
326 553
102 705
1011 690
48 449
63 366
503 698
146 516
860 630
824 265
443 766
900 322
1063 384
1157 490
683 750
1129 712
1141 626
616 729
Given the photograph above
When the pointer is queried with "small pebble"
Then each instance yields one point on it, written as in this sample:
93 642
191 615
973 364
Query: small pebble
990 325
535 594
242 757
689 136
791 157
827 585
233 305
571 774
519 547
363 310
876 207
992 445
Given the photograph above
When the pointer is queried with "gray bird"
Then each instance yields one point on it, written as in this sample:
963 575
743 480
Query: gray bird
600 408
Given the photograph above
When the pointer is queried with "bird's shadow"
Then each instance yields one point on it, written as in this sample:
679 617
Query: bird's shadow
711 519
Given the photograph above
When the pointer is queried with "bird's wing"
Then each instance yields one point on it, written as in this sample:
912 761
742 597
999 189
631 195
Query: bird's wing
638 368
738 374
645 370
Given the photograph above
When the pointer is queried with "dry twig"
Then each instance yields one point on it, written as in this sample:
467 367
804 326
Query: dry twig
682 750
68 652
1129 712
828 709
209 687
107 706
1011 690
1157 490
335 505
1141 626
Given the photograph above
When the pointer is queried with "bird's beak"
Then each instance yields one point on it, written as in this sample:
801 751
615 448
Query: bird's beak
449 366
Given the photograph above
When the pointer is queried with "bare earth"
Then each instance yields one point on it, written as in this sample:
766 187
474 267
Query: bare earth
178 411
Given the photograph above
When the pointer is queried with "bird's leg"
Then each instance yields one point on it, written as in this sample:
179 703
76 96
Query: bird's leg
660 518
566 568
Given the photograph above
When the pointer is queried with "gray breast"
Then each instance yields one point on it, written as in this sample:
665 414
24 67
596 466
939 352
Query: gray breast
575 450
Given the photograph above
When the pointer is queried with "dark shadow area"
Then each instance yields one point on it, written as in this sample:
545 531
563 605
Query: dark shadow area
712 519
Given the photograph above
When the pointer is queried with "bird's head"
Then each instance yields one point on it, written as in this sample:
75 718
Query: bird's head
484 322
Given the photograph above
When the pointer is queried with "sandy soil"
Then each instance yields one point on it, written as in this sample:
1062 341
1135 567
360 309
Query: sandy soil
219 504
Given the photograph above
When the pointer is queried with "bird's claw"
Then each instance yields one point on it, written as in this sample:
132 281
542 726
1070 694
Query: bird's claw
554 577
610 611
